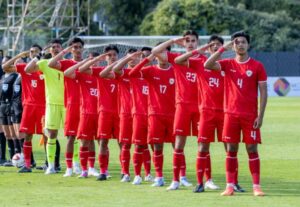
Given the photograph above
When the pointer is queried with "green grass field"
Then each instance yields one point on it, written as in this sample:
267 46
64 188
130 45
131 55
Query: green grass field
280 174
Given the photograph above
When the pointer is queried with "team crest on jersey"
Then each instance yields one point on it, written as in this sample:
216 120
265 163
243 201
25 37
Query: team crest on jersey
249 73
171 81
5 87
17 88
222 73
41 77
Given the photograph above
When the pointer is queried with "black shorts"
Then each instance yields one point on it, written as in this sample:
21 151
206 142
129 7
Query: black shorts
5 114
17 110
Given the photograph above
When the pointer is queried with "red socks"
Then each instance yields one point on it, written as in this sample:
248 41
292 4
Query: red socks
231 165
84 154
177 163
69 159
254 165
103 163
208 167
147 160
202 161
125 158
158 159
91 159
27 149
138 160
183 166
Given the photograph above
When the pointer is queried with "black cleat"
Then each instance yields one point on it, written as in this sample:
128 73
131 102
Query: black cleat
102 177
238 188
25 170
199 189
8 163
2 161
122 175
43 167
33 165
57 168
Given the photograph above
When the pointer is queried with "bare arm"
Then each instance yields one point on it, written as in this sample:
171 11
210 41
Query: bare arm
70 72
107 72
54 62
121 63
135 72
85 68
12 61
262 86
32 67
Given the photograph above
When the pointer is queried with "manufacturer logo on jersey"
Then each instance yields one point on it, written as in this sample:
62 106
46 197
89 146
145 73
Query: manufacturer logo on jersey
88 81
156 78
223 73
171 81
233 70
4 87
42 77
249 73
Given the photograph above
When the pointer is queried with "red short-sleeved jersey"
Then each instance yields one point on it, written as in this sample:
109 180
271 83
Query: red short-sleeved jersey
241 85
140 91
33 86
124 90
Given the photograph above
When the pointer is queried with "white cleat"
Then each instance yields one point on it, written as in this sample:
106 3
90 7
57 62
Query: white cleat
158 182
125 179
137 180
93 172
149 178
108 176
210 185
185 182
50 170
76 168
68 173
174 185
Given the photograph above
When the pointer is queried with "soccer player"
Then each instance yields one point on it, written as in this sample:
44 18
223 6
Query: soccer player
161 107
72 102
55 111
187 113
243 75
108 120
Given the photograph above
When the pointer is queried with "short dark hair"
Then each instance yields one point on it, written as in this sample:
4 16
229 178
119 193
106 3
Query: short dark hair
216 37
131 50
76 40
241 34
56 41
38 46
111 47
94 54
146 49
191 32
168 48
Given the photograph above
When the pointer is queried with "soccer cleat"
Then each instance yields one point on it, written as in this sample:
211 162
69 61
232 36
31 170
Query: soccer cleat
76 168
126 178
25 170
174 185
42 167
229 191
210 185
102 177
108 176
84 174
8 163
122 175
158 182
33 165
238 188
149 178
257 191
57 168
50 170
68 173
199 188
185 182
137 180
2 161
93 172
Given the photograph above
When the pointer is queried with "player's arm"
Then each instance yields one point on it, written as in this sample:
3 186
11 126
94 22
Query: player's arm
54 62
135 72
86 67
211 62
183 59
263 91
13 61
118 68
32 66
107 72
70 72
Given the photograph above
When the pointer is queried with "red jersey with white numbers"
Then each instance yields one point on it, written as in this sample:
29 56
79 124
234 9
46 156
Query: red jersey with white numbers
72 90
140 91
241 85
124 90
33 87
89 93
108 92
210 84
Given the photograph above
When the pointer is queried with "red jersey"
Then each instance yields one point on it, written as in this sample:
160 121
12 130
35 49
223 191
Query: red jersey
72 90
210 85
186 81
108 92
124 89
33 87
241 85
140 91
161 100
89 93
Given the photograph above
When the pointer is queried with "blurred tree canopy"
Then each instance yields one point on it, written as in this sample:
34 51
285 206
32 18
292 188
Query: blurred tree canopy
274 25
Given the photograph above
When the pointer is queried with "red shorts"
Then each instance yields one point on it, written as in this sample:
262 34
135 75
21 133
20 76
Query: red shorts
186 120
31 122
72 119
108 125
160 129
234 124
125 135
210 121
139 129
87 128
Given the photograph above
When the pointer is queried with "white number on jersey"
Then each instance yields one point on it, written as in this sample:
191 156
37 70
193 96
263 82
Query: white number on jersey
34 83
94 91
191 77
145 90
240 82
214 82
112 88
253 135
162 89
